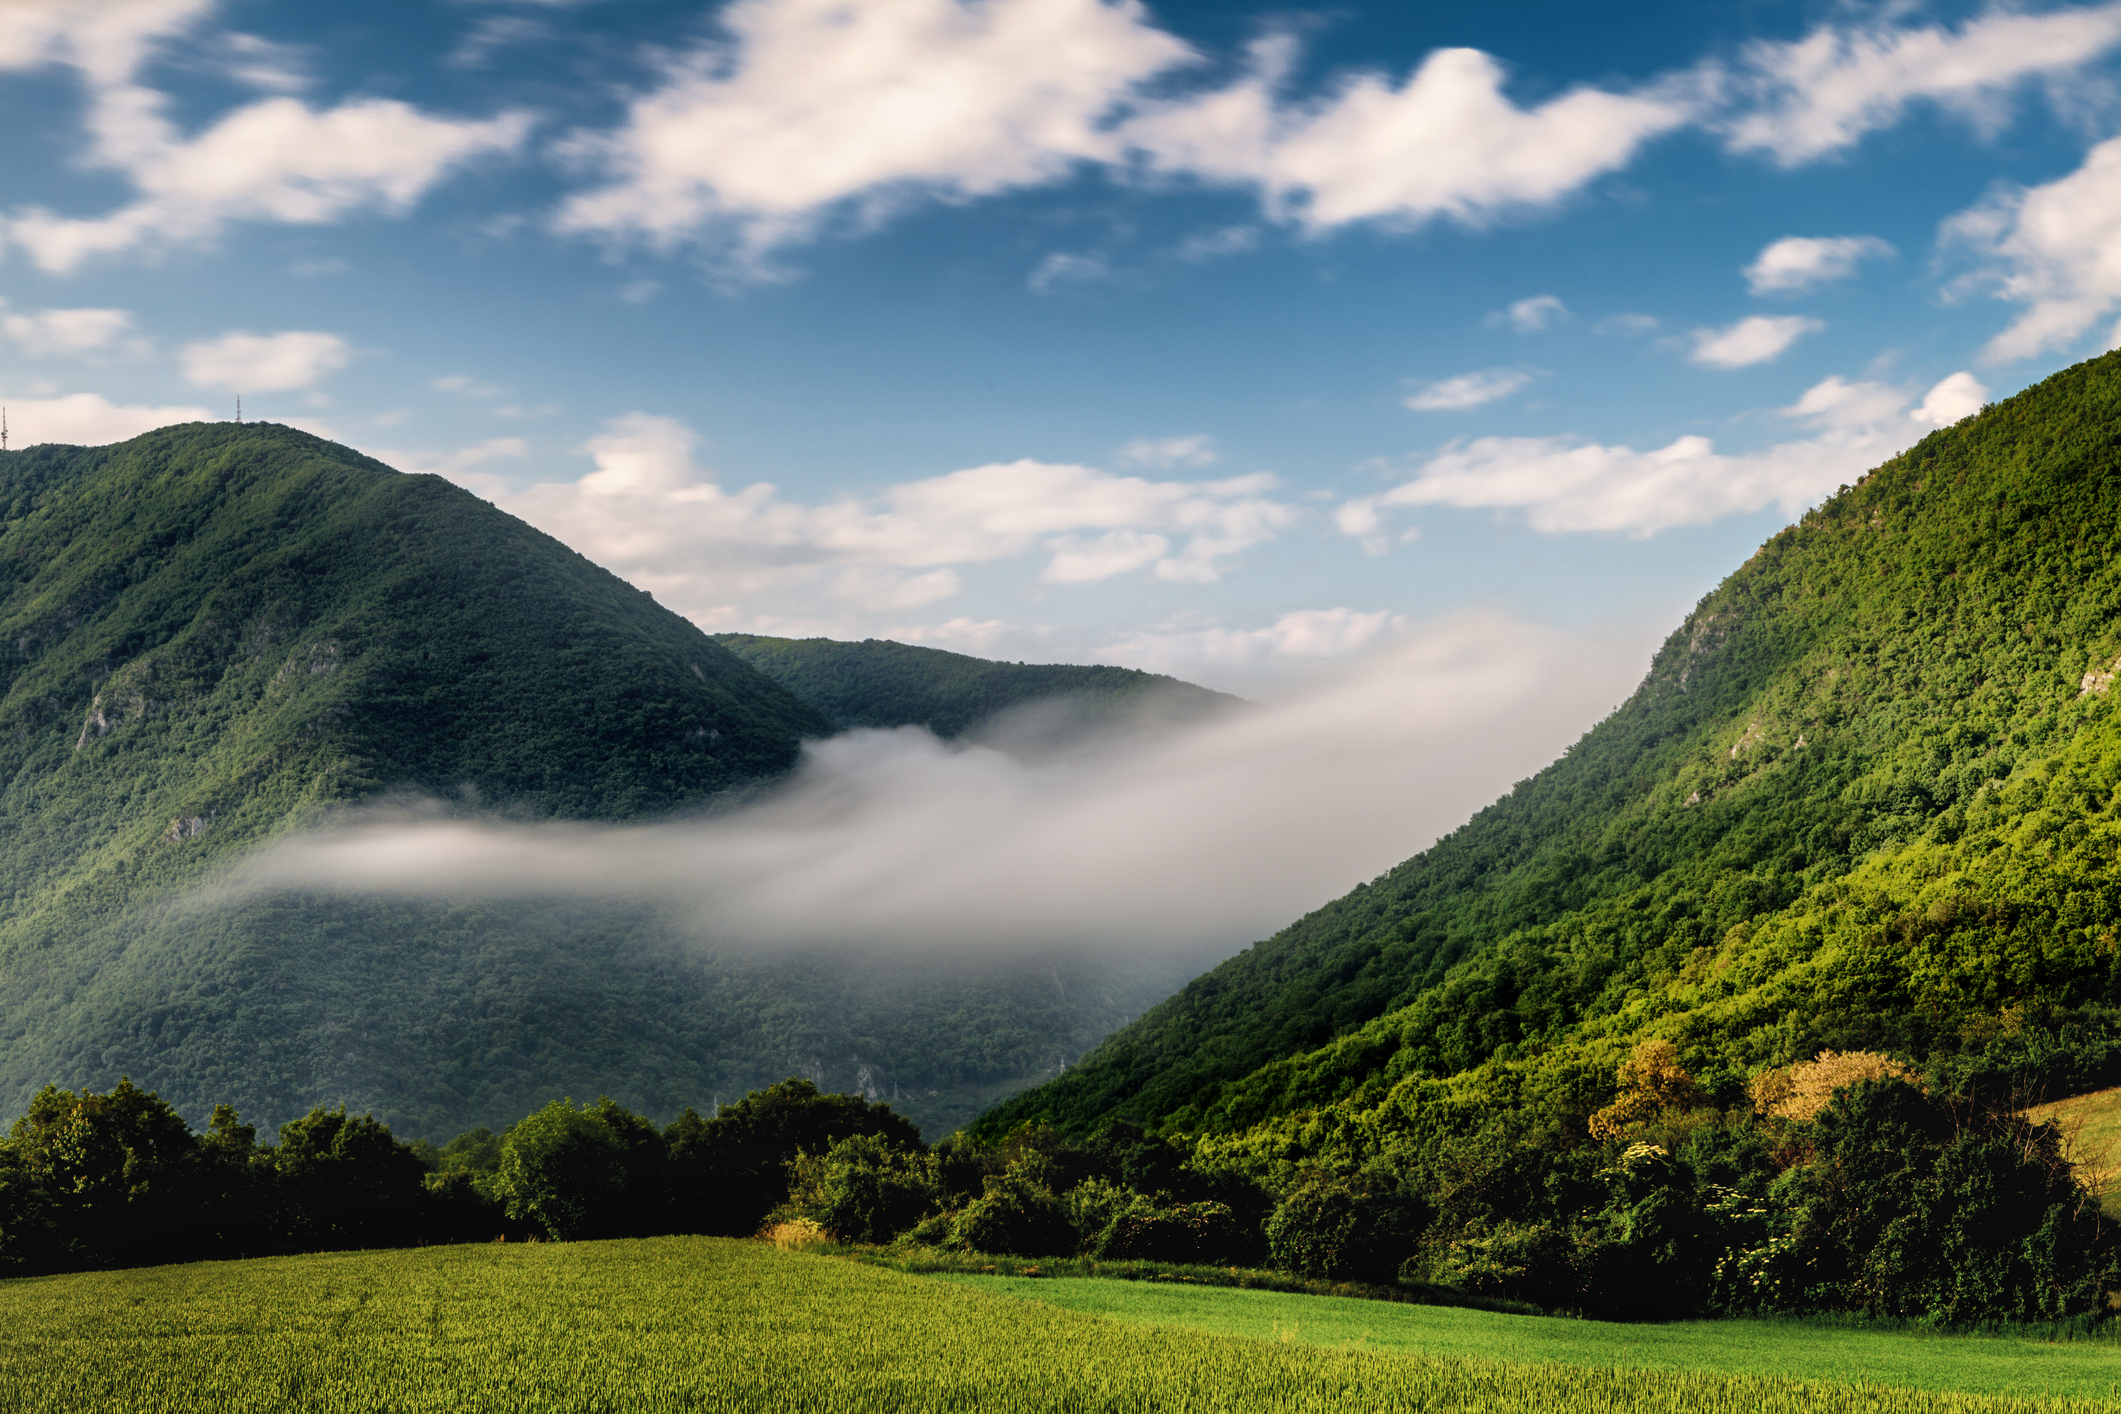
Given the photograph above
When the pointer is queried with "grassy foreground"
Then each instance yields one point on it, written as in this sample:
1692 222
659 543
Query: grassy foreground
2084 1368
701 1323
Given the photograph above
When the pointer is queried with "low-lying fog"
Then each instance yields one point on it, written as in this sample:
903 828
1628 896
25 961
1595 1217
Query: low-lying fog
1205 836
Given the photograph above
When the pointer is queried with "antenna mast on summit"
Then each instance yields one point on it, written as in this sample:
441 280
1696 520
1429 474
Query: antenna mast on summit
239 407
3 429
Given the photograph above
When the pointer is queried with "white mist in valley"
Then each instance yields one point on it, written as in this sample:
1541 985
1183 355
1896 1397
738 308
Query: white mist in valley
1196 838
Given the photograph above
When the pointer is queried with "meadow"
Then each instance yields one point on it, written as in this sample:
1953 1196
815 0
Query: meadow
705 1323
1789 1348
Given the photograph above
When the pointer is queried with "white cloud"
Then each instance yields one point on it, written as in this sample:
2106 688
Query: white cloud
648 512
244 362
457 465
809 108
1163 453
1063 268
1468 390
67 331
1796 263
1959 396
274 160
1445 141
2055 248
1560 485
88 419
813 103
960 634
1806 99
1755 339
1529 316
107 41
1302 633
1206 835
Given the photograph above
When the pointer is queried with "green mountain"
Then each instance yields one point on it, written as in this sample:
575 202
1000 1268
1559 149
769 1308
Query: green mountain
218 634
878 683
1864 800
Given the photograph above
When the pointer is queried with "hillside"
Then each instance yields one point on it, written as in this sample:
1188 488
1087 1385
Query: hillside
1864 800
878 683
216 634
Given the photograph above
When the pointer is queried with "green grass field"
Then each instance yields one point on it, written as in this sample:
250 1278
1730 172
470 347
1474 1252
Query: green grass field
702 1323
2083 1369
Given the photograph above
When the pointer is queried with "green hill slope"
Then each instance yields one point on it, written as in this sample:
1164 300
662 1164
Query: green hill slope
878 683
1865 798
216 634
217 631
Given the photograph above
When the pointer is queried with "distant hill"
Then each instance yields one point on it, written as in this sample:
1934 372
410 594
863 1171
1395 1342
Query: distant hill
217 634
1867 798
879 683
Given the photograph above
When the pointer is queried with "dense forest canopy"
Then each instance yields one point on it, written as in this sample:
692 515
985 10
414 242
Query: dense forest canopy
1863 800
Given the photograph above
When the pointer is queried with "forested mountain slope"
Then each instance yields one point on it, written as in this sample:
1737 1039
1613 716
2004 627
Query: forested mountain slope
216 631
216 634
878 683
1865 798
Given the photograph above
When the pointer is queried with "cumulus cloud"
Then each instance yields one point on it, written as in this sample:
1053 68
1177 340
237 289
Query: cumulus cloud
1797 263
813 103
274 160
1808 98
650 513
1758 338
1468 390
1530 315
1956 397
2054 248
241 361
1212 835
88 419
1443 142
1163 453
807 109
67 331
1561 485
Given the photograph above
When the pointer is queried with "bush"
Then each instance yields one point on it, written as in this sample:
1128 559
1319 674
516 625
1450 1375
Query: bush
866 1189
1143 1231
1018 1213
1345 1230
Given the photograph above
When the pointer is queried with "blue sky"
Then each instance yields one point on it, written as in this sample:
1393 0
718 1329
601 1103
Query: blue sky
1235 342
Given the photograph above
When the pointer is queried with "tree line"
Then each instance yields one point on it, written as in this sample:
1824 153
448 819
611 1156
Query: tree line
1845 1183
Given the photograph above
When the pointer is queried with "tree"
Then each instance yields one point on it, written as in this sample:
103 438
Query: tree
121 1172
346 1182
731 1171
598 1171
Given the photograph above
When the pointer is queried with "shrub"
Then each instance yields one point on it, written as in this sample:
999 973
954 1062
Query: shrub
1018 1214
1345 1230
1182 1232
866 1189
